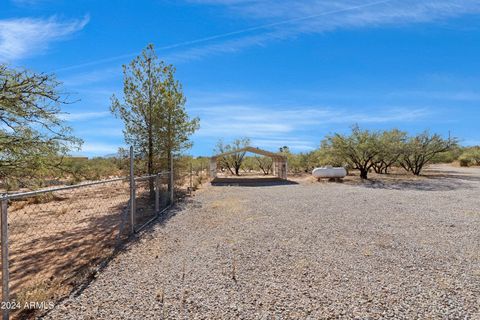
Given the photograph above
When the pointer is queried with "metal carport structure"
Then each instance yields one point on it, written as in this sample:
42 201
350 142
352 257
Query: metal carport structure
280 165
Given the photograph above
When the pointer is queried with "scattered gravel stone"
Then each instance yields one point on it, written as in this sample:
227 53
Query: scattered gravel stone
305 251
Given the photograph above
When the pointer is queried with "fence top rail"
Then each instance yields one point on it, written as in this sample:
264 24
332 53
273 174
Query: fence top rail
163 173
19 195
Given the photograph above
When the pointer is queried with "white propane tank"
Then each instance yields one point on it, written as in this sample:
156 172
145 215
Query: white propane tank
329 172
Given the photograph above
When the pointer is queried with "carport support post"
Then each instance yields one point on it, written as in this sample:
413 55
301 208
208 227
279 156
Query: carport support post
213 168
132 191
5 275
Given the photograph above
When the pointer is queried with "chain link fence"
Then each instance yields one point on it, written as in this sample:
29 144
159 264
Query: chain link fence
55 240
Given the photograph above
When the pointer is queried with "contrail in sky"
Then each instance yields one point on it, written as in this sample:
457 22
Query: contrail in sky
224 35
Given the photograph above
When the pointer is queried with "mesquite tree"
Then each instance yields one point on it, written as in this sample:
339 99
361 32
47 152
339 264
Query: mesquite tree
232 162
359 149
33 136
422 149
265 164
391 146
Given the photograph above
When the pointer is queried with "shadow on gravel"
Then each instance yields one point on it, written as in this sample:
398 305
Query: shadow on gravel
251 182
431 183
452 175
108 241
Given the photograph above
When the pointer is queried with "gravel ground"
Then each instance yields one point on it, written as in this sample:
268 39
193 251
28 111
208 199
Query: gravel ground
402 250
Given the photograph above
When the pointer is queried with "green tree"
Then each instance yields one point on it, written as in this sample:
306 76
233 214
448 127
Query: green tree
325 157
33 136
265 164
232 162
175 127
422 149
309 160
249 164
293 160
359 149
391 145
153 110
449 156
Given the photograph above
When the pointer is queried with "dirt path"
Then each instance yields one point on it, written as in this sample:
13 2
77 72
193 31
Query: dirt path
403 250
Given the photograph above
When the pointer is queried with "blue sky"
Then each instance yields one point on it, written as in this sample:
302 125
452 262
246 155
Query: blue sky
280 72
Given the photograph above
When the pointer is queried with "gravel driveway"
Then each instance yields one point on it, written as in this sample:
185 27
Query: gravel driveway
406 250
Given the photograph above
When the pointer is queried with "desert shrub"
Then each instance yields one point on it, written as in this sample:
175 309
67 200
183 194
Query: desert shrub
448 156
200 164
470 157
464 162
79 169
198 181
11 184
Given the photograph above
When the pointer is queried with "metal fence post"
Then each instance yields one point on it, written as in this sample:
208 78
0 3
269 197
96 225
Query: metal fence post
172 185
191 174
157 194
132 191
5 275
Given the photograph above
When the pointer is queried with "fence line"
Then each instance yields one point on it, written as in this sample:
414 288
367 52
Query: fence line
51 239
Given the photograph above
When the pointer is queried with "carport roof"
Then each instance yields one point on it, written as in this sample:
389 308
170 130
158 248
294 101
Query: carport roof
265 153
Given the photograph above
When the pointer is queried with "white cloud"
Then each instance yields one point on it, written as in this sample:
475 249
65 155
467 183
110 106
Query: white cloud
285 19
97 148
288 19
24 37
90 78
347 12
464 96
293 144
83 116
298 126
102 132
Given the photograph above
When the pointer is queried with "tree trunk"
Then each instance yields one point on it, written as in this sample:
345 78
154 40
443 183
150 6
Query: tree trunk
418 170
169 157
363 174
151 185
150 132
